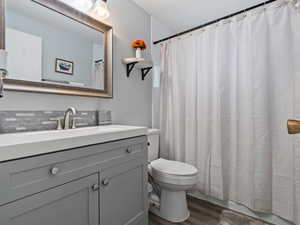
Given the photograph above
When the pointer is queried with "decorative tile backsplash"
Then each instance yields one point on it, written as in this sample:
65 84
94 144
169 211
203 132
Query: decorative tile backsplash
21 121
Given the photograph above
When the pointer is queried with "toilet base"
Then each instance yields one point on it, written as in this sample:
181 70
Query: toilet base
173 206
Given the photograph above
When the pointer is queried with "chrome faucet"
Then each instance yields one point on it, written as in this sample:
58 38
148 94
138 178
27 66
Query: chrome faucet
67 121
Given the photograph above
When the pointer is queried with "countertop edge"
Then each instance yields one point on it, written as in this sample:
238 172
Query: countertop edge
15 152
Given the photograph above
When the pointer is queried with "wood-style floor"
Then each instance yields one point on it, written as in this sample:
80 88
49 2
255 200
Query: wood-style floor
204 213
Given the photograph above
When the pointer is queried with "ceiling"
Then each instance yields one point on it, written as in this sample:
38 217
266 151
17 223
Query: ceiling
181 15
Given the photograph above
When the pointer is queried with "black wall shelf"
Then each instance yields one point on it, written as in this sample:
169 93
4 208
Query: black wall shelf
140 63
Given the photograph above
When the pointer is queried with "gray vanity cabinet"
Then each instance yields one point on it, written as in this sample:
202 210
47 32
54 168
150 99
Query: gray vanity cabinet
74 203
102 184
123 196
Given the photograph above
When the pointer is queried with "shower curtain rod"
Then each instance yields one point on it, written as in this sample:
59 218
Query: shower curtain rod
214 21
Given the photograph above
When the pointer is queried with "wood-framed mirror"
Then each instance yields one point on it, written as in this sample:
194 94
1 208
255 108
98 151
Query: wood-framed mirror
55 48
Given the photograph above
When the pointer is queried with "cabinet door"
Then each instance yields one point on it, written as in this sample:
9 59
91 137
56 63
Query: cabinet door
74 203
123 197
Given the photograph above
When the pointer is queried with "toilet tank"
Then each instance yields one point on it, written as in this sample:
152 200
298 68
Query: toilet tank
153 144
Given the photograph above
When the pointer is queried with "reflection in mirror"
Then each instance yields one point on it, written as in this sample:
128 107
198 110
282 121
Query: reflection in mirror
45 46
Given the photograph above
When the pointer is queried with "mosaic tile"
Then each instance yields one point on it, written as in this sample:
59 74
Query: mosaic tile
20 121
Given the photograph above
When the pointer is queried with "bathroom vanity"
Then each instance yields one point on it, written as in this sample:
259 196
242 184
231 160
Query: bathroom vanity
86 176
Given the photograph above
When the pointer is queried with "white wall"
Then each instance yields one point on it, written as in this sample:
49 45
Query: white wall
158 31
132 97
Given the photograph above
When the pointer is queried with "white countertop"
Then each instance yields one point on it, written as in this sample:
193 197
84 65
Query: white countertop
27 144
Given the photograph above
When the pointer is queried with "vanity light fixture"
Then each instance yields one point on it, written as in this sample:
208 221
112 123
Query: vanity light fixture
81 5
100 10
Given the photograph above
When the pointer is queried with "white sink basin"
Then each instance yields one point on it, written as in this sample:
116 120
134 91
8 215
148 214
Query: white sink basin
20 145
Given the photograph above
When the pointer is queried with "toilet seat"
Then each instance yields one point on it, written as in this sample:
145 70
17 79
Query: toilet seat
173 167
173 172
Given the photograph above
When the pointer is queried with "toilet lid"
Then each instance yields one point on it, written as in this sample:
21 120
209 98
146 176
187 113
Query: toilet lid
173 167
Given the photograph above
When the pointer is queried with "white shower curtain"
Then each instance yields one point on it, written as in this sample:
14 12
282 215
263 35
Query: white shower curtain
227 92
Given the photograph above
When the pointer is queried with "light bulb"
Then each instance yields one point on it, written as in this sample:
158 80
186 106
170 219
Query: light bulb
100 10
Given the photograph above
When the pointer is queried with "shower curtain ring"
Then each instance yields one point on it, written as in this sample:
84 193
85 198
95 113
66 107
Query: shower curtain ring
265 4
245 13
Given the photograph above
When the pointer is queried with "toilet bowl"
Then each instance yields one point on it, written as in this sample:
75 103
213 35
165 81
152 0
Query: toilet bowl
174 179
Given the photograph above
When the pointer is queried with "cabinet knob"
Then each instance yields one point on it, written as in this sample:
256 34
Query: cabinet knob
95 187
54 171
128 150
148 143
105 182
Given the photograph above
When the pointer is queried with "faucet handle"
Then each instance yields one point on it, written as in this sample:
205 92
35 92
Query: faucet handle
74 123
59 124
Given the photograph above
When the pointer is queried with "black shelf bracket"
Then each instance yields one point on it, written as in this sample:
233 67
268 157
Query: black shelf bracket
145 72
130 67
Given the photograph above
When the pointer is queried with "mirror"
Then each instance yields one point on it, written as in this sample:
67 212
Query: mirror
52 45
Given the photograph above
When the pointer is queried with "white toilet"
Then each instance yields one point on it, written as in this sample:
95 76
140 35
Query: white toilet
173 179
